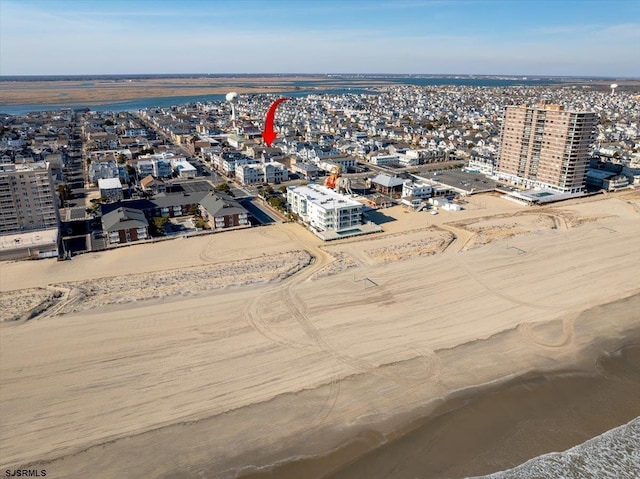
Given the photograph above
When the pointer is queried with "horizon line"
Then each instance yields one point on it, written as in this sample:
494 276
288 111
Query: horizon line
448 75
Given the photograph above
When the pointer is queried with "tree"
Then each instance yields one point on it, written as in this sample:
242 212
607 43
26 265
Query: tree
122 159
147 151
64 192
201 224
283 189
224 188
156 227
269 190
195 211
277 202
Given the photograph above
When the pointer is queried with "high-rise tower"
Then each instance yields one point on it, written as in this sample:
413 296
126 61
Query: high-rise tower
546 147
27 198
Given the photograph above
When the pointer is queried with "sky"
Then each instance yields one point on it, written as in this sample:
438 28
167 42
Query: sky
489 37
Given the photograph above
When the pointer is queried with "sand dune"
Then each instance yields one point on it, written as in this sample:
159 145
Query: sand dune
252 375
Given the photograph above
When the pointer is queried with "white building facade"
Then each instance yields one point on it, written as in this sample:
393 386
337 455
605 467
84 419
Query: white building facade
416 190
323 209
253 173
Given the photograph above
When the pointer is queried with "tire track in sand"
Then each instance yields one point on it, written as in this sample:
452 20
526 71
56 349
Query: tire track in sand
566 338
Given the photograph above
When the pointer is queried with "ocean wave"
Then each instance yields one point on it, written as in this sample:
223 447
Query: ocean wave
614 454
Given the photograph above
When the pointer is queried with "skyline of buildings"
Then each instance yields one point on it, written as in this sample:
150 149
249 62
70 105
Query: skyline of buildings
380 141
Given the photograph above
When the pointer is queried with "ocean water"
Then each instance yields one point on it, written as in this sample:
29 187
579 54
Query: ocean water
614 454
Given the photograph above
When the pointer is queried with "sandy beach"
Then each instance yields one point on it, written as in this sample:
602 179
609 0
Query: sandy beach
302 351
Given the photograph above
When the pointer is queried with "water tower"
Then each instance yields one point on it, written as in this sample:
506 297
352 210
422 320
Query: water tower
232 97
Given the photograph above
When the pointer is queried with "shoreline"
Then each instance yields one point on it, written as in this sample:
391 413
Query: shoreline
412 450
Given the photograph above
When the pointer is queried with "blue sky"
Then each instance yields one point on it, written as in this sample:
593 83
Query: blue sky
516 37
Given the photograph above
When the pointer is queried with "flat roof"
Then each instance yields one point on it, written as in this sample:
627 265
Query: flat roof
109 184
462 181
29 239
543 196
30 166
600 174
332 235
324 197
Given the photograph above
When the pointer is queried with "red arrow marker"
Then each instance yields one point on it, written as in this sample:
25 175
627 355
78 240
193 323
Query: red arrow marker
269 134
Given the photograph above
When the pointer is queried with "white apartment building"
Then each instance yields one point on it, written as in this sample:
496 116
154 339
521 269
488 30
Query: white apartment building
28 200
481 164
184 168
252 173
227 162
154 167
385 160
161 164
408 158
323 209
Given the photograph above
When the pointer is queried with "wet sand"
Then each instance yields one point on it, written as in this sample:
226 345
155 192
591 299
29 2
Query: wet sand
496 427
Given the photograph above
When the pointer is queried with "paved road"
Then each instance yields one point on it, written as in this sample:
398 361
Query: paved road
258 214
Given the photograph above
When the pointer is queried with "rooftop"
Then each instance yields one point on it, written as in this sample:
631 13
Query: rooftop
462 181
388 181
324 197
109 184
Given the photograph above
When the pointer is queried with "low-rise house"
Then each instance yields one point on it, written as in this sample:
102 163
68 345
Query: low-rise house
183 168
111 188
99 170
388 185
305 170
416 190
124 225
152 185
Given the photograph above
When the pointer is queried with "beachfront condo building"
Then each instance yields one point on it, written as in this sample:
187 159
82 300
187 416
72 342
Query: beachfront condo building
27 198
546 147
322 209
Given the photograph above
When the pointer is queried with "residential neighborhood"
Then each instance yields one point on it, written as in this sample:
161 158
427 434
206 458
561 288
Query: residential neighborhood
401 145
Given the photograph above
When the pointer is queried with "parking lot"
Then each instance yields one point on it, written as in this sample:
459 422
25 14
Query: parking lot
191 186
463 181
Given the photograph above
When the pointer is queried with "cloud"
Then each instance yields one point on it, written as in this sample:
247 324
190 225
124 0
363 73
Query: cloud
625 30
37 40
